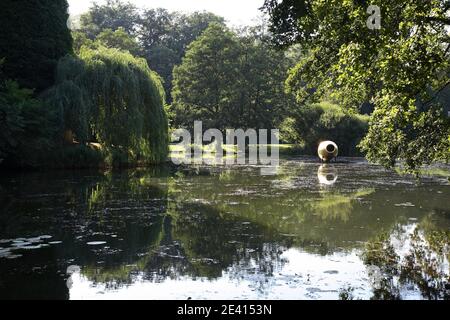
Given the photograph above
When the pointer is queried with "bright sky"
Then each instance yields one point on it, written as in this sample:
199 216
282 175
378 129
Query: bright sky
236 12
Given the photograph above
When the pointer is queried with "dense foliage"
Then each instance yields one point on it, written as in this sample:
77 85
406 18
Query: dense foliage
103 106
230 81
311 124
106 95
165 37
159 35
118 39
112 15
34 35
396 67
27 126
110 97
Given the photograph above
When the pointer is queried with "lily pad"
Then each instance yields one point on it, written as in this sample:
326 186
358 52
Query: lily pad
96 243
39 246
13 256
21 244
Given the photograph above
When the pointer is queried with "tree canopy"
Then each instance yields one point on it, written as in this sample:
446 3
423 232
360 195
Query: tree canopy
108 96
395 68
230 81
166 35
112 15
118 39
158 35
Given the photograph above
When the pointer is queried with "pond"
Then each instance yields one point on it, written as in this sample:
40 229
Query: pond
346 230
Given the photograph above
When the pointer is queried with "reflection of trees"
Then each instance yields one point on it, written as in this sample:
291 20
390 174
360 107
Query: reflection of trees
213 243
423 265
337 206
121 208
29 194
126 206
215 221
277 204
196 242
187 238
203 222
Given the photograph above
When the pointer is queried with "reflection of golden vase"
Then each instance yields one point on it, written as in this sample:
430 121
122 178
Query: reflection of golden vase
327 151
327 175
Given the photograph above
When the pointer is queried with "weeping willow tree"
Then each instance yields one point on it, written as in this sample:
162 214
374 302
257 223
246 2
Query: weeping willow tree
110 97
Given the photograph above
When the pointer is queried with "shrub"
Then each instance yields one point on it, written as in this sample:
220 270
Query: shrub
27 127
311 124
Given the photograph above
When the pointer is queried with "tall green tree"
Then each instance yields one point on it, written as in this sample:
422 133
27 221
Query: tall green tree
112 15
227 80
166 35
118 39
109 96
163 35
395 67
206 82
34 36
262 101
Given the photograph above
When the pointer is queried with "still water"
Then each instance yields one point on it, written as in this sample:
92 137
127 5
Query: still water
348 230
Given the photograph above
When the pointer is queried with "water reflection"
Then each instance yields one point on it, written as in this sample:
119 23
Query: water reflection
327 175
411 261
225 232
